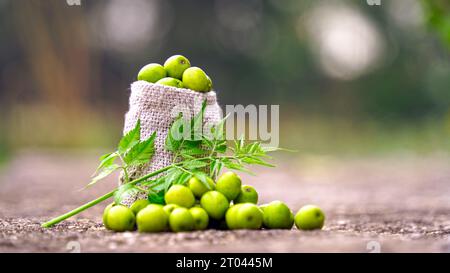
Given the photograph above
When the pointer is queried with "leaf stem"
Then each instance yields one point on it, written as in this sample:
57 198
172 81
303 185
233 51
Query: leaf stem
111 193
98 200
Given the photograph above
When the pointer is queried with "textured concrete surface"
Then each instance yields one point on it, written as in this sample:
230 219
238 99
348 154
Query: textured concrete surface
397 203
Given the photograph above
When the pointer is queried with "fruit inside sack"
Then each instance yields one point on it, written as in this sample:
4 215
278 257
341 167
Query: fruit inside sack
176 72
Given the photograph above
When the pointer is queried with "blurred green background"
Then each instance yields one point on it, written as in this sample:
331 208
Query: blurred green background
350 78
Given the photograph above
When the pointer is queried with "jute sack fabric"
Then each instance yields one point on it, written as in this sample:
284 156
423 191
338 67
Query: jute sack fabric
157 106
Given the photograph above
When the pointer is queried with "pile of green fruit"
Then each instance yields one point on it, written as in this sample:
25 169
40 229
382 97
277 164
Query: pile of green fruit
176 72
197 207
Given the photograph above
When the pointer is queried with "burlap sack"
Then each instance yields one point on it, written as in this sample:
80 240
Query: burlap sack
157 106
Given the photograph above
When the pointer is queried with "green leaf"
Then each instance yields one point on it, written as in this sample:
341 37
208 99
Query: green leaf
221 147
203 177
171 177
254 160
174 137
103 173
215 167
219 129
183 179
124 191
130 139
192 151
236 166
142 152
194 164
101 158
197 123
106 161
155 185
156 197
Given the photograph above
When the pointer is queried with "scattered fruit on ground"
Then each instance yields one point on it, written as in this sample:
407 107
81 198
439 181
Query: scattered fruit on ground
247 194
180 195
229 184
120 218
176 65
230 217
249 216
105 215
201 218
152 218
169 208
171 82
152 73
277 215
181 219
138 205
198 188
215 204
196 79
309 217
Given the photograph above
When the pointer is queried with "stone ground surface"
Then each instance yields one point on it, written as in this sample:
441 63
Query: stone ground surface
392 204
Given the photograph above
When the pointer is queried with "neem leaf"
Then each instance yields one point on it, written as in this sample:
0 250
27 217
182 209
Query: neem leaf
175 135
155 185
183 179
156 197
142 152
235 166
172 176
103 173
197 123
192 151
194 164
125 191
218 129
203 177
106 161
130 139
255 160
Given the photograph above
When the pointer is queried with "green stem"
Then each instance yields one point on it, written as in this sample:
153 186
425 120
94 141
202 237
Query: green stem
77 210
125 173
109 195
98 200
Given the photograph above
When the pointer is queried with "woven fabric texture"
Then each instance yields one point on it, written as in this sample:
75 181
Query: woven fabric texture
157 106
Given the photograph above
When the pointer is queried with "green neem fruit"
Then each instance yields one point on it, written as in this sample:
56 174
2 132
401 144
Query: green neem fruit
210 84
198 188
152 218
248 194
181 219
229 184
201 218
196 79
120 218
105 215
152 73
171 82
230 217
169 208
215 204
309 217
138 205
249 216
180 195
277 215
176 65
